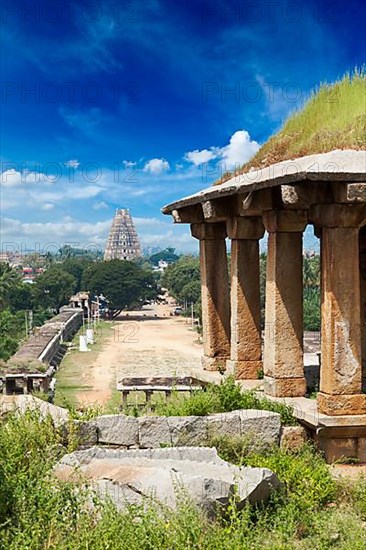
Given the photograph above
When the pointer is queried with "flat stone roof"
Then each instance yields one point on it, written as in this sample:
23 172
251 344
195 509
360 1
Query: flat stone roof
339 165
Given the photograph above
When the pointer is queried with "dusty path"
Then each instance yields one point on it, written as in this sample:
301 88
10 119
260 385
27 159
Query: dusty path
144 343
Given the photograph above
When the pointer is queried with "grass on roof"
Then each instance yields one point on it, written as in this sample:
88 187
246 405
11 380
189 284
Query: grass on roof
334 117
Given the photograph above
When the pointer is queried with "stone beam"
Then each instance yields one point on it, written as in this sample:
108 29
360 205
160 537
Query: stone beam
253 203
349 192
188 214
338 215
218 210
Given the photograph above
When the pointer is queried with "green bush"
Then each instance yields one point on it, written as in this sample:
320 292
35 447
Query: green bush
224 397
38 511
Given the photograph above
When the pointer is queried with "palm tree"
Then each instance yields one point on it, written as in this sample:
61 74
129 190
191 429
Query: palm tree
9 278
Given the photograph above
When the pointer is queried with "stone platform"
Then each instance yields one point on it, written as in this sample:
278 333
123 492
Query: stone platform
339 437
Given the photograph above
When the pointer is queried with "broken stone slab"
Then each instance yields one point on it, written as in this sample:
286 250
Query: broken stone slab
117 429
24 402
160 476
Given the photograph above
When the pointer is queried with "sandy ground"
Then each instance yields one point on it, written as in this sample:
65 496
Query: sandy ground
144 343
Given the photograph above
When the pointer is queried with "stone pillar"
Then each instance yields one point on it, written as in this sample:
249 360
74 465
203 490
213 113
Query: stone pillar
341 363
283 344
215 294
362 247
246 346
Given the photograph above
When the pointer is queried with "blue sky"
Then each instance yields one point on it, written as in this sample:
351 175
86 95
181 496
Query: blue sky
108 104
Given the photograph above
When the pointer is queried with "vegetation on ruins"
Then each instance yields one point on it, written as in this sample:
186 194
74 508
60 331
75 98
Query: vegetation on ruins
333 118
215 398
312 510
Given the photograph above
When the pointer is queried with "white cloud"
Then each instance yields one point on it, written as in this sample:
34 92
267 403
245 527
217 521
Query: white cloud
47 206
240 149
73 163
13 178
100 205
156 166
200 157
129 163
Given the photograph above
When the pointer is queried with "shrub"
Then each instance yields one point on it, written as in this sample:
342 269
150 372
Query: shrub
224 397
39 512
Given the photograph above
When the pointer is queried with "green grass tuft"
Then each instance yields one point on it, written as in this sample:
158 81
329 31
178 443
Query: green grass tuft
334 117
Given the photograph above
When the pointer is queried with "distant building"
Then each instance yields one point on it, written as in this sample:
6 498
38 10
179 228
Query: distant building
123 242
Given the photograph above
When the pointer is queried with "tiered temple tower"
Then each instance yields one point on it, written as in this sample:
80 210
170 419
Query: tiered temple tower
123 242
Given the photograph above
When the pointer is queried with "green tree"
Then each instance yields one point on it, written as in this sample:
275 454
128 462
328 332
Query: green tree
124 284
9 279
186 271
12 330
53 288
168 255
76 267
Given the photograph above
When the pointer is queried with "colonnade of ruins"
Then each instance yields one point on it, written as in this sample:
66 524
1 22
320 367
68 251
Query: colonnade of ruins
231 308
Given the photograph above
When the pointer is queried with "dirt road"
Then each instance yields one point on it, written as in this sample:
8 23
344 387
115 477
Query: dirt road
144 343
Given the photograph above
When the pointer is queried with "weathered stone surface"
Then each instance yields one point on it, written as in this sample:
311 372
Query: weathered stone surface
154 431
284 387
293 437
338 405
214 364
22 403
341 371
246 344
224 424
215 291
86 433
283 346
244 370
188 430
117 429
140 477
335 166
260 428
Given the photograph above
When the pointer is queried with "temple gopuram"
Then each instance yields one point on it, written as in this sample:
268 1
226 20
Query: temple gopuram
328 192
123 242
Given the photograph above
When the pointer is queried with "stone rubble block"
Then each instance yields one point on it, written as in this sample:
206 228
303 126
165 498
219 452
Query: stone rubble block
154 431
224 424
86 433
263 427
117 429
188 430
158 476
293 437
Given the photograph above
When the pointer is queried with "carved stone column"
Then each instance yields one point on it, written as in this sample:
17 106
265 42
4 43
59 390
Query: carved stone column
246 347
341 364
215 294
362 247
283 345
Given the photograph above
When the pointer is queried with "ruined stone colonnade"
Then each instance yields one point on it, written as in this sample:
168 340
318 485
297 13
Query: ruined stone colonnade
327 191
